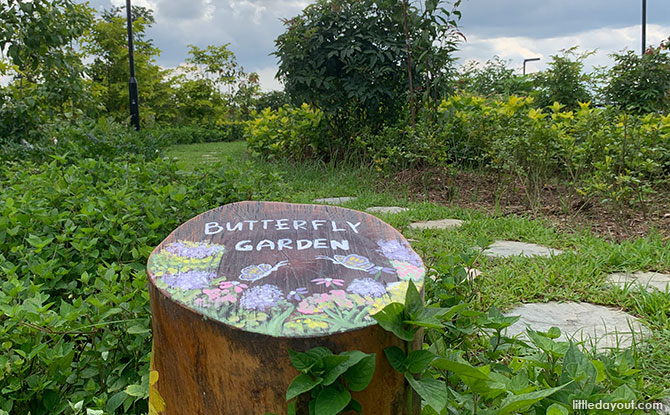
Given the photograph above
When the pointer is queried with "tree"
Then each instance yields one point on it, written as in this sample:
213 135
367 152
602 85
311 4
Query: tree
38 38
107 41
564 81
350 58
641 83
495 77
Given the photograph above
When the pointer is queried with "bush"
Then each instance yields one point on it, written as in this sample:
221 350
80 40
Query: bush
74 239
292 133
102 138
640 83
190 134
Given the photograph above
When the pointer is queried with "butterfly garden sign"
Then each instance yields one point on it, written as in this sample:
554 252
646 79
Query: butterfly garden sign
235 287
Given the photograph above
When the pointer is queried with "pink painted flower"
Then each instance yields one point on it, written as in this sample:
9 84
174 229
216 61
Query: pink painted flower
212 294
408 271
328 281
237 286
199 302
225 299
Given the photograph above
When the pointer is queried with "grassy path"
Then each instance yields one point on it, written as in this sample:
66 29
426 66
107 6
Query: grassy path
578 275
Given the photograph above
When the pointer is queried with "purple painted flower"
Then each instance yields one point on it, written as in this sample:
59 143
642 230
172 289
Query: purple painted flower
395 250
328 281
367 287
297 294
196 250
261 297
189 280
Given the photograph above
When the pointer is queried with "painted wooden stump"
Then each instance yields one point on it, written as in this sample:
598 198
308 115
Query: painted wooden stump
233 288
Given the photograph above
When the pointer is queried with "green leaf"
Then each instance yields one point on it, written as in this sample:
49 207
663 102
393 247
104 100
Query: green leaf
358 376
396 358
516 402
459 368
301 361
413 301
331 400
431 390
391 318
556 409
418 360
334 366
301 384
136 390
115 401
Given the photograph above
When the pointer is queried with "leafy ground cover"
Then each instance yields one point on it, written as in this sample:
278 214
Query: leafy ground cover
578 275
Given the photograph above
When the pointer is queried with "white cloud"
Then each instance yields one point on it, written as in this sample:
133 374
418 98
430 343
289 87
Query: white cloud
267 79
605 40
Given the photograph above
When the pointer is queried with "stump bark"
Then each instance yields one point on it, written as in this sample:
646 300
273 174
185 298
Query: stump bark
224 315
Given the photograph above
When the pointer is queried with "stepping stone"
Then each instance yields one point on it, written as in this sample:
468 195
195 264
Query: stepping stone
506 249
334 200
437 224
386 209
208 155
654 280
595 324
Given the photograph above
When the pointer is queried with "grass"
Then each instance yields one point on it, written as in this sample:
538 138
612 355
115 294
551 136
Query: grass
580 274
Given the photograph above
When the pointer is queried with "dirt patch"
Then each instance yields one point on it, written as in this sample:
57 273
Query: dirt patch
558 203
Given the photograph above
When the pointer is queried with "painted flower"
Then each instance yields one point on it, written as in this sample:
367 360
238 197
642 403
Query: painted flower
393 249
328 281
408 271
197 250
297 294
261 297
237 286
315 324
367 287
189 280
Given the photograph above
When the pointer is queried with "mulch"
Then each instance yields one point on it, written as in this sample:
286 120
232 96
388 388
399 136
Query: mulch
558 203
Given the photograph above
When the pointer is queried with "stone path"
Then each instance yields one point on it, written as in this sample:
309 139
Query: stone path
654 280
334 200
386 209
437 224
595 324
504 249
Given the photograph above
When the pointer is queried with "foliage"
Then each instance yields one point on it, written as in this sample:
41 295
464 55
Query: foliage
350 59
272 100
495 374
495 77
75 234
640 84
329 379
106 41
564 80
38 37
196 134
347 57
294 133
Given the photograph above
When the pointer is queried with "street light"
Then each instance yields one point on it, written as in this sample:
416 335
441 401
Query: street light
132 83
528 60
644 25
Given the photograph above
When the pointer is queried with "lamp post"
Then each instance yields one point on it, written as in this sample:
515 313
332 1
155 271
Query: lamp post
644 25
528 60
132 83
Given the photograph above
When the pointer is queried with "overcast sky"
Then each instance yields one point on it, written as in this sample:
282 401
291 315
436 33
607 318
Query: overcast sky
511 29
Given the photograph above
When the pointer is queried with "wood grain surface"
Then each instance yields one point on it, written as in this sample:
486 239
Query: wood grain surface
235 287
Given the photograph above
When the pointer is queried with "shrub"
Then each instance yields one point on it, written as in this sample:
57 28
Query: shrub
102 138
190 134
74 239
564 80
293 133
640 83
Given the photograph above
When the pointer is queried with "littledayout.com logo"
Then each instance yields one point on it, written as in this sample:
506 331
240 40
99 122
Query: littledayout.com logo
616 406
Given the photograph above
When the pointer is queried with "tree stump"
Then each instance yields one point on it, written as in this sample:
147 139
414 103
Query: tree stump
235 287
